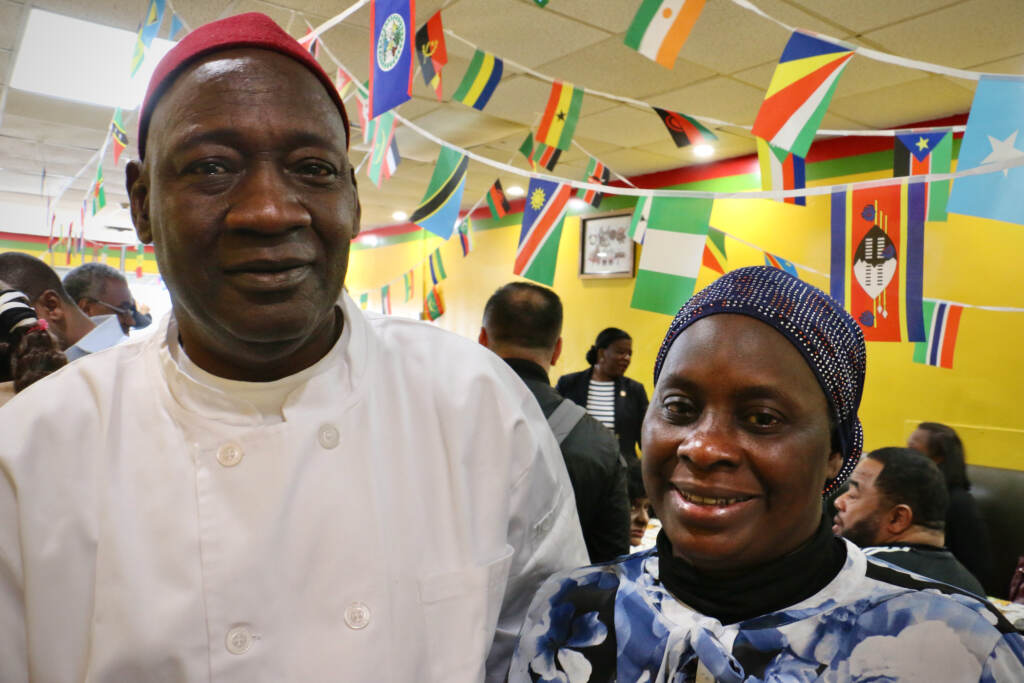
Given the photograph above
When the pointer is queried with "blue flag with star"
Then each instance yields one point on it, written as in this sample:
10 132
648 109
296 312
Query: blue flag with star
993 135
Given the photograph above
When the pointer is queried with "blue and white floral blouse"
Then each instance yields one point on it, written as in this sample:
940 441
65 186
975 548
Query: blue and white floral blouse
872 622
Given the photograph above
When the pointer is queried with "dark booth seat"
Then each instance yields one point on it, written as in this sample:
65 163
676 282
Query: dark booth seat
1000 497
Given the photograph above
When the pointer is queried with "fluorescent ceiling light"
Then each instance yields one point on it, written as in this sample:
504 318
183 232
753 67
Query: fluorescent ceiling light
515 191
82 61
399 215
576 204
703 150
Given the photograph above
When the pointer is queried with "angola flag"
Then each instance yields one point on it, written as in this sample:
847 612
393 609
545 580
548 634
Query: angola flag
877 252
432 52
596 174
537 253
714 251
439 209
561 115
685 130
118 134
922 153
496 200
480 81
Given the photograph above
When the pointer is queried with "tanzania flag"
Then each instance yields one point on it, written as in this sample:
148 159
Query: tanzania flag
436 267
714 251
660 27
920 153
385 299
685 130
781 170
439 208
596 174
560 116
433 304
99 196
407 281
390 54
480 81
780 263
800 91
641 214
672 255
941 324
465 238
877 254
496 200
537 253
432 52
118 134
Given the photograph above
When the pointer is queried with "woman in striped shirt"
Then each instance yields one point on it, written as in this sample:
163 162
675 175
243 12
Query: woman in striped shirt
612 398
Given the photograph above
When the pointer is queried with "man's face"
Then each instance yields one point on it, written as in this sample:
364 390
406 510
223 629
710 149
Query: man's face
859 511
114 299
249 198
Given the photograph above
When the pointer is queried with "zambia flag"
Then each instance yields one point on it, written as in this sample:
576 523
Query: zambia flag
439 209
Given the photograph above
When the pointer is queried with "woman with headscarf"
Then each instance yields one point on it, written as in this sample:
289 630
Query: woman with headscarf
966 533
604 390
753 417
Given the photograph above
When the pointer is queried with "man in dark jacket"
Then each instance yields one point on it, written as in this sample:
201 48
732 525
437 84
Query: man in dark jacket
523 324
895 509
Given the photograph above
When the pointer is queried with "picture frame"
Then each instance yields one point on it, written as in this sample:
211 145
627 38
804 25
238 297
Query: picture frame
606 250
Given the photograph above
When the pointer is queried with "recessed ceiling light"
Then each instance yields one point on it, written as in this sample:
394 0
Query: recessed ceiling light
703 151
92 64
576 204
515 191
399 215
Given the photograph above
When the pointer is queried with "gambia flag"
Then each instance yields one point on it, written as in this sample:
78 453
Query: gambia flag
660 27
561 115
672 254
439 209
941 324
537 253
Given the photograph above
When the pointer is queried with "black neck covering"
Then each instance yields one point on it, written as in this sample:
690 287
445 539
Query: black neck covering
776 584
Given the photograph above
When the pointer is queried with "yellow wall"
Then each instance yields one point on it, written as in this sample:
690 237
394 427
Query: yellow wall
966 260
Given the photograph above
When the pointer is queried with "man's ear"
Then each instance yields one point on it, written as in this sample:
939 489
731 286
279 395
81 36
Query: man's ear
557 353
359 207
138 197
899 519
483 336
50 306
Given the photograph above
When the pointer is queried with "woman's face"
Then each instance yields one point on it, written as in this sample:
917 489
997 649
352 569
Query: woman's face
918 440
736 445
614 359
638 519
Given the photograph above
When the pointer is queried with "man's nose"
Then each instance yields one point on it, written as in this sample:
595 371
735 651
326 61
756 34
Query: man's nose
266 200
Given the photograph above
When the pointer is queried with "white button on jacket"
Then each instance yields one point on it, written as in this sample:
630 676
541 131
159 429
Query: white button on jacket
402 514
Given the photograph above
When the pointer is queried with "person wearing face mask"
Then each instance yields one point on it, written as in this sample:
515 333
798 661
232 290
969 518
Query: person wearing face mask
613 399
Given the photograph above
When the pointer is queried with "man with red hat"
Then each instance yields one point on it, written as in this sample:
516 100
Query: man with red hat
275 486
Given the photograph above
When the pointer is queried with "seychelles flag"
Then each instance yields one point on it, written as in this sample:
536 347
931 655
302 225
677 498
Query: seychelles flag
537 253
391 54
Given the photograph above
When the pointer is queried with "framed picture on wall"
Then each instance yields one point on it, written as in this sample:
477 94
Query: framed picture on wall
605 247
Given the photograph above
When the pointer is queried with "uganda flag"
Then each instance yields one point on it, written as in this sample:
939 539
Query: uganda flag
537 253
685 130
560 116
496 200
119 135
439 208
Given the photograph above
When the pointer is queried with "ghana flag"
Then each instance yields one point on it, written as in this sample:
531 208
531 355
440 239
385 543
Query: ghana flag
561 115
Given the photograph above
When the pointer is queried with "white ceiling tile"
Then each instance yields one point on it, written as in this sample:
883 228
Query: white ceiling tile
630 162
864 15
721 98
10 21
921 100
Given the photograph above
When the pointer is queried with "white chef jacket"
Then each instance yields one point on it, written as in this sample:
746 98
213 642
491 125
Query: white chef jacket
402 514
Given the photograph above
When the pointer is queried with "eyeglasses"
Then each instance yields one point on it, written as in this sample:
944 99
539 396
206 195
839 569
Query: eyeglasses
129 312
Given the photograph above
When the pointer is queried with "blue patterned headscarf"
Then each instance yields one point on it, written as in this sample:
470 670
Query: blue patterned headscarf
827 336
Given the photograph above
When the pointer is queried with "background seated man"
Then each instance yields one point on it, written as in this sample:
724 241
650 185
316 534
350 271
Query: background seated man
523 324
77 333
99 289
895 509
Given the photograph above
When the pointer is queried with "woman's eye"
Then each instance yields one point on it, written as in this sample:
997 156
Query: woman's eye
762 419
679 407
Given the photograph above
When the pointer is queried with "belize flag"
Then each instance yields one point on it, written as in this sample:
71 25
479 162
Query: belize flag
537 253
391 54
